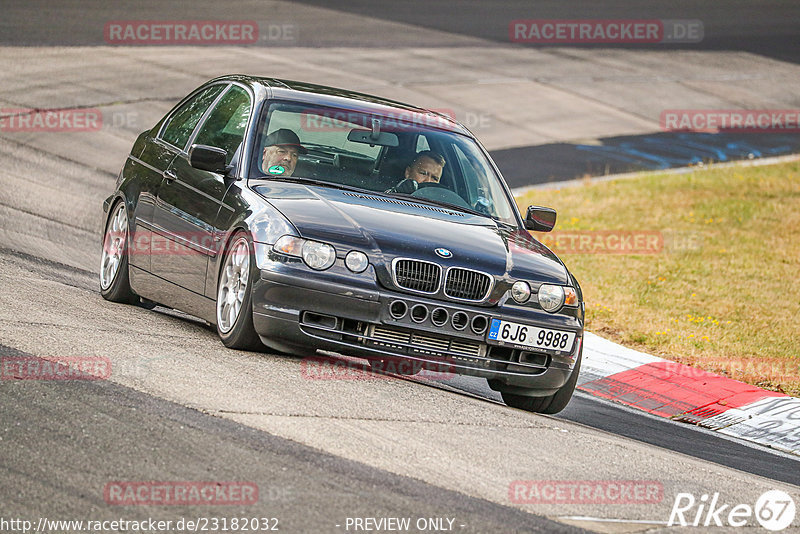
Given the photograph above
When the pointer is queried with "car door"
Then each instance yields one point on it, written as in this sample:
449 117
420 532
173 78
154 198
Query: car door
167 141
190 199
146 168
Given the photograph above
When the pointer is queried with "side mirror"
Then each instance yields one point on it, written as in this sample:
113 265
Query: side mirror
208 158
540 219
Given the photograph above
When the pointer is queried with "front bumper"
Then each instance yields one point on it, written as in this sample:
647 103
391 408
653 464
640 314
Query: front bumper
294 308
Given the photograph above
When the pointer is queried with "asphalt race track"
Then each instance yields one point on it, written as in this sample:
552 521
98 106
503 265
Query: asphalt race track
93 425
323 449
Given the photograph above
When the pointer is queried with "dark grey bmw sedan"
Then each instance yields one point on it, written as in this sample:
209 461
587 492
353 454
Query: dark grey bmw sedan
301 217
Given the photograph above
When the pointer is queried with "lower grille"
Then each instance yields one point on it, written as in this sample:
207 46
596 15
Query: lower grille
463 351
424 343
429 344
390 336
432 348
465 347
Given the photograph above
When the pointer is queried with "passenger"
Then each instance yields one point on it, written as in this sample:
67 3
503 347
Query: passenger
426 167
281 152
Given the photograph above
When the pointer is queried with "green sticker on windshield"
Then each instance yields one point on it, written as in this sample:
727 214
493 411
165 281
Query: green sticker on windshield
277 169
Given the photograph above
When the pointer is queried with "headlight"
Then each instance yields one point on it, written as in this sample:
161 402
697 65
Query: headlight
356 261
318 256
521 291
551 297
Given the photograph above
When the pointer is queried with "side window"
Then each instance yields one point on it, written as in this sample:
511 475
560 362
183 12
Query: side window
224 127
184 120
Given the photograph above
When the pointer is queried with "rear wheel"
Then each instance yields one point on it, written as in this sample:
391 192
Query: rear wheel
114 281
550 404
234 296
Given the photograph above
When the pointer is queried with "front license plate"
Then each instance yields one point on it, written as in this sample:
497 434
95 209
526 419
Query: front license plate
528 336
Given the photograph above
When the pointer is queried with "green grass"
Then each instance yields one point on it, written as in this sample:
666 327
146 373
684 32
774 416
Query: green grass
724 292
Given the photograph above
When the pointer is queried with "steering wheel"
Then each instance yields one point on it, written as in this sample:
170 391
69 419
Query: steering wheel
438 192
423 185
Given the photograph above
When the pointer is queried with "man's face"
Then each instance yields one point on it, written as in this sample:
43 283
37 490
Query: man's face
284 155
424 170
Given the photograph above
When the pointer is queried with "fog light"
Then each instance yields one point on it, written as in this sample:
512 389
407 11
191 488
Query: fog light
521 291
551 297
356 261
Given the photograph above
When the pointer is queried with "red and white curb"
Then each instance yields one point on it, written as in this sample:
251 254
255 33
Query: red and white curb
683 393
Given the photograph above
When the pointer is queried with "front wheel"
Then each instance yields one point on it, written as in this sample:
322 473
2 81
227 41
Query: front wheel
550 404
114 281
234 296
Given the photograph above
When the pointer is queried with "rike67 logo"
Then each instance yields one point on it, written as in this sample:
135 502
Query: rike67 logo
774 510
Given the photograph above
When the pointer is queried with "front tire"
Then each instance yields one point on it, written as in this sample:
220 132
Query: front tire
114 277
234 304
550 404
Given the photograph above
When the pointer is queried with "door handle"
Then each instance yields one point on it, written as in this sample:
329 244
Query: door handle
169 175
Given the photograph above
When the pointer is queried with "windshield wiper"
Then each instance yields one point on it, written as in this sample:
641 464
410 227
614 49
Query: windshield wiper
439 203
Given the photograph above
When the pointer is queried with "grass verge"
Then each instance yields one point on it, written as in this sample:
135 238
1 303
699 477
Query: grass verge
714 280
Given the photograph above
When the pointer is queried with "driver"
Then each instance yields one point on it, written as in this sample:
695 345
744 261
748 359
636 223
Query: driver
426 167
281 152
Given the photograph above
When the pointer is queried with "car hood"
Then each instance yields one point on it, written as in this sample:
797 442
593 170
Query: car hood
389 228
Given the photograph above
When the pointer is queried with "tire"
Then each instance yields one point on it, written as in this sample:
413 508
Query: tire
234 304
550 404
115 283
395 367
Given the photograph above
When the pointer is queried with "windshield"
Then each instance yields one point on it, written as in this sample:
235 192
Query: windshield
405 156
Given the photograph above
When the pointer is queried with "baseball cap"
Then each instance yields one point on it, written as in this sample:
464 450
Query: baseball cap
285 136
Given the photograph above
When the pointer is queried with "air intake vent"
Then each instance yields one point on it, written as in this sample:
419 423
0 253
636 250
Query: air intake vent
464 284
404 203
423 343
418 343
416 275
